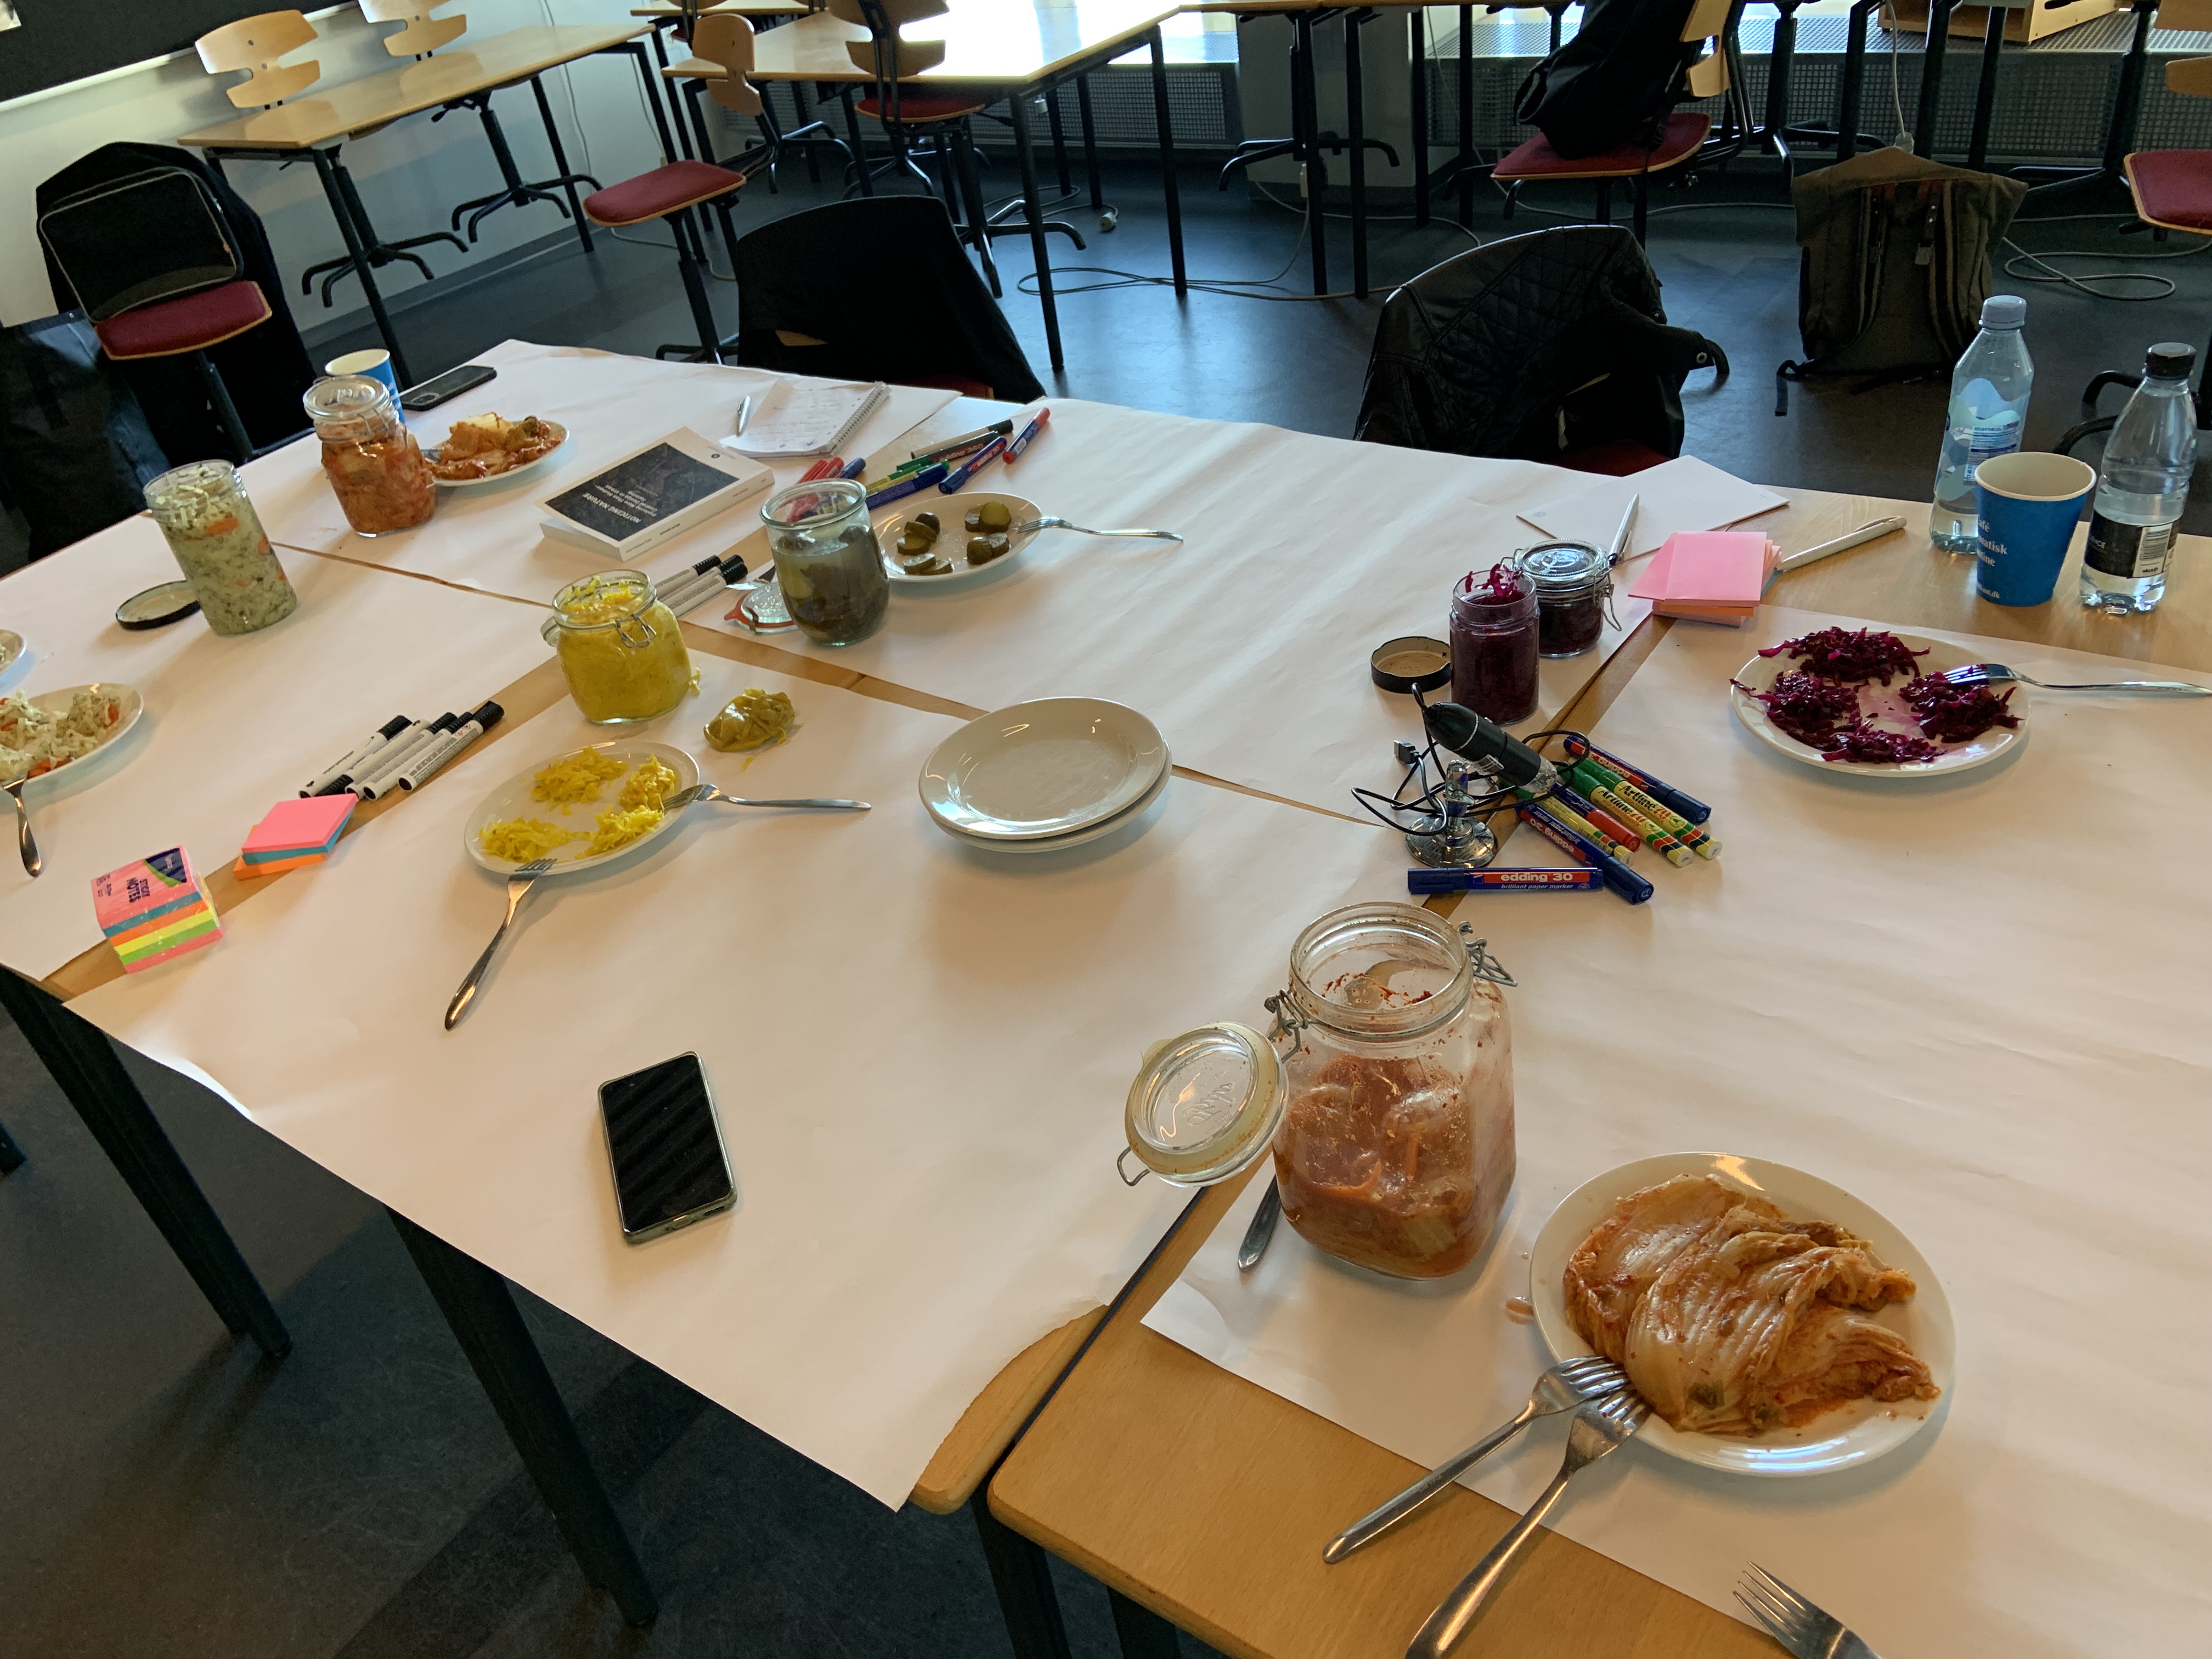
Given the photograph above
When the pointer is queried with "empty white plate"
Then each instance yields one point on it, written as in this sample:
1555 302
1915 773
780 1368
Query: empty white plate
1080 837
1043 769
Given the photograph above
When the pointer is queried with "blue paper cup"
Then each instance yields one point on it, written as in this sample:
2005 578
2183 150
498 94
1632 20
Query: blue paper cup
377 364
2030 503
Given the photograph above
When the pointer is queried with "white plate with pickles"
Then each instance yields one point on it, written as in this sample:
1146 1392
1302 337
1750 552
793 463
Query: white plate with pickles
936 541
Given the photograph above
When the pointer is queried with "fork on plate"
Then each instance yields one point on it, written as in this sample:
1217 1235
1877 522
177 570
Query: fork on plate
520 883
1790 1619
1996 673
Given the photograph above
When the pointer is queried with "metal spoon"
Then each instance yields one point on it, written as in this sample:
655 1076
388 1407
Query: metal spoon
24 843
699 792
1049 523
1261 1232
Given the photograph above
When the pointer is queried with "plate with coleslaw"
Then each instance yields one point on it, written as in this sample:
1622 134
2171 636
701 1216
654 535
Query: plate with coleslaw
48 732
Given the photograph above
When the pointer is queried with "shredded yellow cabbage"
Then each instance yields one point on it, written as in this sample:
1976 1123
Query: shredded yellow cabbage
524 839
650 785
621 827
575 777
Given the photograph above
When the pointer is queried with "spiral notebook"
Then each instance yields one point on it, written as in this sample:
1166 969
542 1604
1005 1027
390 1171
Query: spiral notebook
792 421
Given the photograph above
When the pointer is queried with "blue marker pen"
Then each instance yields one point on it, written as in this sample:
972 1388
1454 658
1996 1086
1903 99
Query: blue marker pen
975 463
1496 880
1028 436
1618 876
907 486
854 469
1672 800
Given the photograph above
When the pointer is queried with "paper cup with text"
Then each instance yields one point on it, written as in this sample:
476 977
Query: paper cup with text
2029 505
377 364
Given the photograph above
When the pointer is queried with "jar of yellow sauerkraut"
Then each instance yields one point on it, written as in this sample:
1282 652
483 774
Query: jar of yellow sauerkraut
619 647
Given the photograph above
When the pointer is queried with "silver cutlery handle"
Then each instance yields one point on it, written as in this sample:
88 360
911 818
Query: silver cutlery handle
2135 685
1372 1525
1261 1230
467 993
825 803
24 843
1468 1597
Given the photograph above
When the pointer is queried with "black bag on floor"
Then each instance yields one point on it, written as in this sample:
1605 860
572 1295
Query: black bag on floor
1896 265
74 450
1615 82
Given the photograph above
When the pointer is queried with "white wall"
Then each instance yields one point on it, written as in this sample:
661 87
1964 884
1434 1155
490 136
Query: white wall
411 174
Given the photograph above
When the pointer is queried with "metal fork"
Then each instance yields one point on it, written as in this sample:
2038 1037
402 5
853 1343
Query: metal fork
24 843
1049 523
517 884
699 792
1597 1430
1796 1622
1996 673
1566 1385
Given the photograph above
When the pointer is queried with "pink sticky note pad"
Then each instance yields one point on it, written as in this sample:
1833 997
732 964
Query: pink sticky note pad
314 822
1715 566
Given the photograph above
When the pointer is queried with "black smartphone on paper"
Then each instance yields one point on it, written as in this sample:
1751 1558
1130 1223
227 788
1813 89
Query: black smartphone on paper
664 1145
440 388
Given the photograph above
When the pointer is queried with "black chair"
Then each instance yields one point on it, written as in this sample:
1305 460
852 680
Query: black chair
1548 347
823 293
152 267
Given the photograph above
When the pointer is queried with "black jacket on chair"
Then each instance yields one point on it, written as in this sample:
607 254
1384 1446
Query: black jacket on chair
1530 349
266 369
881 285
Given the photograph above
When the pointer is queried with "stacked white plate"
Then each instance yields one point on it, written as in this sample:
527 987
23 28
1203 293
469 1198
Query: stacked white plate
1044 775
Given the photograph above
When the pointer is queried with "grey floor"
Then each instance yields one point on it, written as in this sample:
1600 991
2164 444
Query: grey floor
164 1492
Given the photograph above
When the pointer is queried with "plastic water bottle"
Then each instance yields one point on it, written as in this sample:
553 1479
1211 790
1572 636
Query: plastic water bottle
1989 408
2142 488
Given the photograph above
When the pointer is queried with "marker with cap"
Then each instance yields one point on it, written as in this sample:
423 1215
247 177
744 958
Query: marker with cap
1673 823
1688 805
1625 840
853 468
1569 812
1653 836
1619 878
912 484
1496 880
376 740
383 782
395 750
715 580
951 459
481 721
827 467
1029 436
956 481
965 441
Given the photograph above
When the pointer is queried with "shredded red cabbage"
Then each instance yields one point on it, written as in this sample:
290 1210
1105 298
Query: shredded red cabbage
1501 586
1864 742
1854 656
1955 713
1806 706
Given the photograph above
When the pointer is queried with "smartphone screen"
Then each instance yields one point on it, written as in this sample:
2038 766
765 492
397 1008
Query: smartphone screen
450 384
665 1147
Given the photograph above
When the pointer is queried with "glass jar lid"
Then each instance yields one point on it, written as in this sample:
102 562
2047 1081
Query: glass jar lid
1560 569
608 598
350 406
822 502
1204 1105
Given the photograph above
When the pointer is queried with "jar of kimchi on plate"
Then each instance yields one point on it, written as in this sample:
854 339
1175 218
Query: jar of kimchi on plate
1385 1090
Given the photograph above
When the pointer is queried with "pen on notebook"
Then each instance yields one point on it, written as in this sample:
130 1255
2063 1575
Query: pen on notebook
1619 878
1495 880
479 722
354 776
385 779
982 457
965 441
376 740
745 414
1623 540
1873 531
913 483
1029 436
1688 805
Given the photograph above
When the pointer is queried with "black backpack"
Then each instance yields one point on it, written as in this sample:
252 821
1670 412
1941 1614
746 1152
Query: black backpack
1615 82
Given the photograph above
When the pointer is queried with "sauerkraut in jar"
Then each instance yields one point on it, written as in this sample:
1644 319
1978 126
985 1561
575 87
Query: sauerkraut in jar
375 467
1395 1148
620 649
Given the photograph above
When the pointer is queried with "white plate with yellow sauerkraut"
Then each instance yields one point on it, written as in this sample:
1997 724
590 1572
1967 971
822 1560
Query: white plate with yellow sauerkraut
580 809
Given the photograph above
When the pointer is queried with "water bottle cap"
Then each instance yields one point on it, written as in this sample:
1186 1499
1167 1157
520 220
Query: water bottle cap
2003 311
2171 361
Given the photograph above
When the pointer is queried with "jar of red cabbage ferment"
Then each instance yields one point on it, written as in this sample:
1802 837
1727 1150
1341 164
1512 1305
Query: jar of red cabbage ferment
1573 582
1494 644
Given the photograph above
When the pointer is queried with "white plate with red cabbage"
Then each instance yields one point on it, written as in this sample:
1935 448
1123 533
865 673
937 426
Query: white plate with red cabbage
1864 702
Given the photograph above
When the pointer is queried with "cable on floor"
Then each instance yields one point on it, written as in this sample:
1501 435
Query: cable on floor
2160 286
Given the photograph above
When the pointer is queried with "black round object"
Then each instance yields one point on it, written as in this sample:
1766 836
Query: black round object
157 607
2171 361
1410 663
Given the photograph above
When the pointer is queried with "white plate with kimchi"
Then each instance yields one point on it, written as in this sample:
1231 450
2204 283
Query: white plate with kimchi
1777 1325
486 449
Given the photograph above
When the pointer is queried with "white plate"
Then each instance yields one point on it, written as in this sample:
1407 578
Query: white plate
1760 674
1852 1434
1043 769
512 800
58 702
1058 843
952 513
567 433
11 647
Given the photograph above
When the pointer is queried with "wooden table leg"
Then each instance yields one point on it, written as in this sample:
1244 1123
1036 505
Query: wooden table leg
481 1310
85 1068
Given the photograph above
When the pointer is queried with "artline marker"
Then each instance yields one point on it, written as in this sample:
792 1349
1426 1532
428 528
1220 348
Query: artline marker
1688 805
376 787
965 441
913 483
1619 878
989 452
1653 838
1569 809
395 750
1504 881
382 736
1029 436
1610 829
1673 823
452 744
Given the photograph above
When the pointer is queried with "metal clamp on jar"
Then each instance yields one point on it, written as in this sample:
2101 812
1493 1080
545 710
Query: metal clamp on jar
620 648
1390 1115
1574 595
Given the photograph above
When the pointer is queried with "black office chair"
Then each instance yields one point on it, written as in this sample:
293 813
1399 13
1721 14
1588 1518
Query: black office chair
817 294
153 266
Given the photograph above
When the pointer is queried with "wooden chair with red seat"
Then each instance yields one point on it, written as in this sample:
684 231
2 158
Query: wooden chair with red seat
155 271
1683 138
722 53
678 192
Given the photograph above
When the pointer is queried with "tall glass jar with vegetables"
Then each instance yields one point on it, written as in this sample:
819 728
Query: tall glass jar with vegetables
217 539
375 467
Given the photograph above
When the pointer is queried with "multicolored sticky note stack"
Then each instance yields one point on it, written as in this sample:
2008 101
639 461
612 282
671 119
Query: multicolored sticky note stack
154 909
295 833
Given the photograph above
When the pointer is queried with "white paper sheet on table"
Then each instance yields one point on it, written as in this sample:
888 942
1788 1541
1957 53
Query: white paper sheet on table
1683 493
232 725
1977 1005
1248 643
489 536
920 1054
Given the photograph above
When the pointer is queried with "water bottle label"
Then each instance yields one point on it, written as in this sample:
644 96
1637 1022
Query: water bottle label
1991 439
2131 552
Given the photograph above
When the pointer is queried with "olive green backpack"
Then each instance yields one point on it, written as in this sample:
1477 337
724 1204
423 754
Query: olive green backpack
1896 265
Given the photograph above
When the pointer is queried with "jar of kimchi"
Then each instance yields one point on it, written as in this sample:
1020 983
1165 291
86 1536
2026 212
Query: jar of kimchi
375 467
1385 1091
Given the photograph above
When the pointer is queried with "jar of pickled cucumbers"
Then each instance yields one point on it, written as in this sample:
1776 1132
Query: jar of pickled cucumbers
620 649
827 561
217 539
